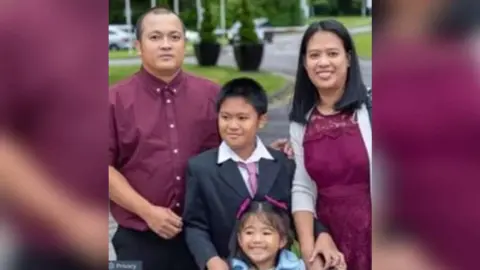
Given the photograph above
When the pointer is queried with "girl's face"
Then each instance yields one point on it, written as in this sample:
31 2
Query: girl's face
260 242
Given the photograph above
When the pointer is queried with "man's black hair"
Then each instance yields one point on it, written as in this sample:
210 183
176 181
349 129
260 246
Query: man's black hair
160 10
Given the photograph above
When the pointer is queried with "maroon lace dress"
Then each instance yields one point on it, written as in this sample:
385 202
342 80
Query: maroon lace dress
337 160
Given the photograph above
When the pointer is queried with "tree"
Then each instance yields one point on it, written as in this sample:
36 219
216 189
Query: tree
163 3
207 27
279 13
247 30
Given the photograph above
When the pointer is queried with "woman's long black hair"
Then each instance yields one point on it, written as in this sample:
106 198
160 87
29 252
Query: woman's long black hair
305 95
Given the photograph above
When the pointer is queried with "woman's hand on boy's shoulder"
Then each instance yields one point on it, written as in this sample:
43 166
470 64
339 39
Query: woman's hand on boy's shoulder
284 146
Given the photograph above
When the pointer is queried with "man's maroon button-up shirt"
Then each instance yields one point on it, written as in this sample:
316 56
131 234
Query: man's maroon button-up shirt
155 128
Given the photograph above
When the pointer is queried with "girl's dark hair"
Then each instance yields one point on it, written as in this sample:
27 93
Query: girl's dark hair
276 217
305 95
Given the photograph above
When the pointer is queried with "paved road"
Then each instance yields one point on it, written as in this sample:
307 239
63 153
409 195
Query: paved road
282 57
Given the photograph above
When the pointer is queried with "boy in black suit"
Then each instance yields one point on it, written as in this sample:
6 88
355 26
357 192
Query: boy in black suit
220 179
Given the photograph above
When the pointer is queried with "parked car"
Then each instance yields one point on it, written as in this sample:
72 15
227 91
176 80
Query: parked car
118 39
124 27
192 36
260 24
128 29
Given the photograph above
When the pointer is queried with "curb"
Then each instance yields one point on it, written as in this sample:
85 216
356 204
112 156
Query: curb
277 94
290 81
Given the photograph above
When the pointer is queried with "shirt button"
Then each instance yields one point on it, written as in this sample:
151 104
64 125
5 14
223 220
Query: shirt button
175 151
177 204
158 90
172 125
168 101
174 90
178 178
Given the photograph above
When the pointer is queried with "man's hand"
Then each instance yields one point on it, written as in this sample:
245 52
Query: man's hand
163 221
216 263
325 247
284 146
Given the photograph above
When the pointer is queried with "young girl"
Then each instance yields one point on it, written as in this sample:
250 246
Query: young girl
262 238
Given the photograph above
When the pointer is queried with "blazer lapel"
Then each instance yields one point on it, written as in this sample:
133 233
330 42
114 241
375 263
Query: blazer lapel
267 174
231 175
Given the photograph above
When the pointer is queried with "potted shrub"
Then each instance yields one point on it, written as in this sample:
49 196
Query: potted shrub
248 49
208 49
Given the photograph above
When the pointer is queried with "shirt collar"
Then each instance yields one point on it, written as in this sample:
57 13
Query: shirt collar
286 261
157 86
225 153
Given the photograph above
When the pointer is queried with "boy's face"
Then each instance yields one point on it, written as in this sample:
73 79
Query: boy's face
238 123
260 242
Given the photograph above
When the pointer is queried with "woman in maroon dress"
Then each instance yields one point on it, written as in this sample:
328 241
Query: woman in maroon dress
331 136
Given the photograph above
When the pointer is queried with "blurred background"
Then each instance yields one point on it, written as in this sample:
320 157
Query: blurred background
278 26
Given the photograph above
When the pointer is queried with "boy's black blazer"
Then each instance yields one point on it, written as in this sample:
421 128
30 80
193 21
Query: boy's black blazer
214 192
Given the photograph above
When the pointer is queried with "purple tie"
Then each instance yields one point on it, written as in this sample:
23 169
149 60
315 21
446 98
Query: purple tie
252 175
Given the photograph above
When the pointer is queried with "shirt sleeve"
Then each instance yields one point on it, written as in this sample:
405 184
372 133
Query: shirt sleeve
212 138
304 195
196 222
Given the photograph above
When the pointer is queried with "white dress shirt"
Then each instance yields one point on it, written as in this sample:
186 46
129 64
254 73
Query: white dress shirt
225 153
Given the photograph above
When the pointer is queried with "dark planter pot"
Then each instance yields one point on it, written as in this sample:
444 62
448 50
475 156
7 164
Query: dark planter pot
268 37
207 53
248 56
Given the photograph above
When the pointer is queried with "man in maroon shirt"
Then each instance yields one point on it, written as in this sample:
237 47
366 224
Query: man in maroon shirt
160 117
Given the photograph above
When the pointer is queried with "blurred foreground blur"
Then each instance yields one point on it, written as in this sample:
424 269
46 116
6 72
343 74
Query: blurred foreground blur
53 135
426 132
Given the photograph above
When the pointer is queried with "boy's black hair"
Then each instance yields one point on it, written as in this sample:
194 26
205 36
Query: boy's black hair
247 88
277 217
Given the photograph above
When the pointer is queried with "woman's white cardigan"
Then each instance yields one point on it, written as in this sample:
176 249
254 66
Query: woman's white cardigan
304 190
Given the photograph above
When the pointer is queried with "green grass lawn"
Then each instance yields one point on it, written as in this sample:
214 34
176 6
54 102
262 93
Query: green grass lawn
121 54
363 44
348 21
220 75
